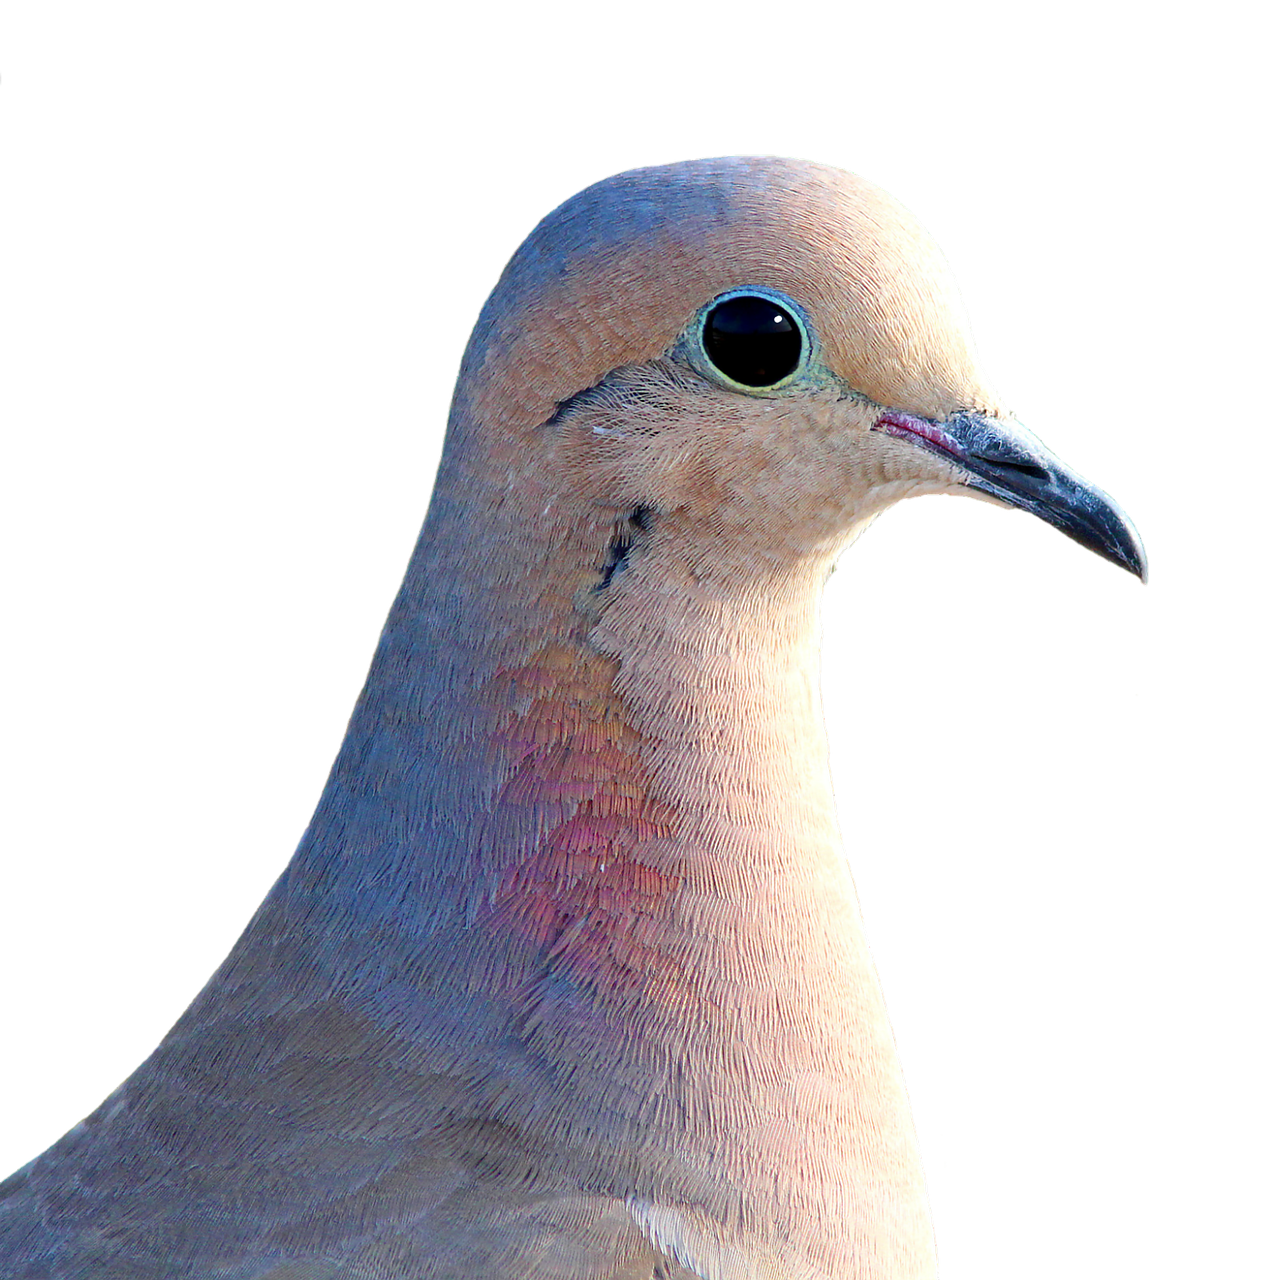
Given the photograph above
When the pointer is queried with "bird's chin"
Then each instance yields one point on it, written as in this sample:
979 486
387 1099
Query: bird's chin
964 490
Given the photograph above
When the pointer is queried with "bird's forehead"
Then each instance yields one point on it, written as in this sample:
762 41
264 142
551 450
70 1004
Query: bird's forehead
612 276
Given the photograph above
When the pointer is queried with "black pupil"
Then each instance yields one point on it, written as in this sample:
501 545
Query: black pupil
752 340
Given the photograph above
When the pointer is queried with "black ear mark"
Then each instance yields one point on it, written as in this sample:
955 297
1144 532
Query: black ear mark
638 520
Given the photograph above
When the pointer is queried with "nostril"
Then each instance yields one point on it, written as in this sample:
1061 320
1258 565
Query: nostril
1028 469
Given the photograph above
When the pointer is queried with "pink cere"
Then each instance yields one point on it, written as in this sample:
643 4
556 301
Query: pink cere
904 425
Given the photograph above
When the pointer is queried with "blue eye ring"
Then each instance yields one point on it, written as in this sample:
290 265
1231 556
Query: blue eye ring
762 345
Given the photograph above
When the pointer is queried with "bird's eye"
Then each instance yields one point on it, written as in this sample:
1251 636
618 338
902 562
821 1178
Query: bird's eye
752 340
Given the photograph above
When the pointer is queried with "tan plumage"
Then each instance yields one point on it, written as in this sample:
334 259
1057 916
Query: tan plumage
567 978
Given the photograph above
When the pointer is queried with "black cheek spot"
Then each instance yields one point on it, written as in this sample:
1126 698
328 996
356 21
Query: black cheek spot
639 520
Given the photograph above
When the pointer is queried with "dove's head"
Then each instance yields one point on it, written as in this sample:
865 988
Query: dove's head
744 360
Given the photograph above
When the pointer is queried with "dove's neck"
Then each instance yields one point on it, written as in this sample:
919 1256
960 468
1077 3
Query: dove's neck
722 687
652 709
530 713
589 815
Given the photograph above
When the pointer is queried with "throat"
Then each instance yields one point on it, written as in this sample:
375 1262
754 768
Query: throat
672 743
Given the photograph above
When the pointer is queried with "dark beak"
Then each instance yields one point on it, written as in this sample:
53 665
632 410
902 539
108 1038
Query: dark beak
1005 461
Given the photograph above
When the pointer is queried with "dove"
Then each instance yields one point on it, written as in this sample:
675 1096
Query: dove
567 978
